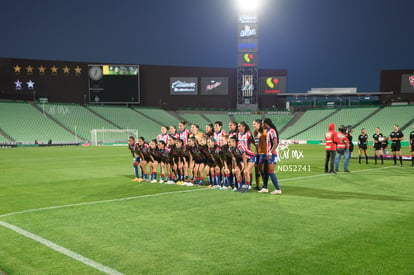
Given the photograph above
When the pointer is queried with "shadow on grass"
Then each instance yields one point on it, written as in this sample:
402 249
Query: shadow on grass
337 195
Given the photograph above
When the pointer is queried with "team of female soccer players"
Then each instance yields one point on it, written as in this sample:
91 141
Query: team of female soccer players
185 157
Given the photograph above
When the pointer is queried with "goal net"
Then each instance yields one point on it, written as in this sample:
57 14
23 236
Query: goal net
101 136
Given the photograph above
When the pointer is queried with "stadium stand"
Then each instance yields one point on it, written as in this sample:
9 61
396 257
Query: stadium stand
348 116
248 118
193 118
76 118
158 115
308 119
3 139
280 120
213 117
24 123
386 118
127 118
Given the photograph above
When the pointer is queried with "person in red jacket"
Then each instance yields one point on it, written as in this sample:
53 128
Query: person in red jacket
330 139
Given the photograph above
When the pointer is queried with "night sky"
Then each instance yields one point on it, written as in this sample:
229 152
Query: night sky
322 43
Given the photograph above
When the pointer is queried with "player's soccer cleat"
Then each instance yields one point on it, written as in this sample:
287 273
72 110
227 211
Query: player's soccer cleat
276 192
218 187
161 181
140 180
170 182
264 190
153 181
136 179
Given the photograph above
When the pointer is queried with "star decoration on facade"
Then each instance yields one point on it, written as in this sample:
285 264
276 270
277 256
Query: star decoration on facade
18 84
54 69
42 69
30 84
78 70
66 70
29 69
17 69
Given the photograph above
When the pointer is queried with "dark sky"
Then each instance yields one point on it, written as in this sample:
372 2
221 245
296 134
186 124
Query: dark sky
322 43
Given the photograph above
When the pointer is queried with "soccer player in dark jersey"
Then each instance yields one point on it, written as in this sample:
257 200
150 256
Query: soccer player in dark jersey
213 164
412 146
396 137
261 157
135 157
155 159
145 156
226 156
172 172
165 163
197 156
377 139
232 129
363 145
209 130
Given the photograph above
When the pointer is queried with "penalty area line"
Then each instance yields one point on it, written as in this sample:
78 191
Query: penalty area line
61 249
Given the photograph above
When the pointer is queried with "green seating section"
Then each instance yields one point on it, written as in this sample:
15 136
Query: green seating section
159 115
194 118
127 118
280 120
348 116
218 117
77 118
309 118
24 123
386 118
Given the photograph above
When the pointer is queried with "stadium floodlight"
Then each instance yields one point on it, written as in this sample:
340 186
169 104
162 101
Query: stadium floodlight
248 5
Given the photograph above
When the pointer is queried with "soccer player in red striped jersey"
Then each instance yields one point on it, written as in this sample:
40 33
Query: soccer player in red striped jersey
218 132
232 129
272 141
183 132
173 132
163 135
209 130
244 136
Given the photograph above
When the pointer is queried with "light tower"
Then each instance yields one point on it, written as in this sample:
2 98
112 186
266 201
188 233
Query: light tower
247 65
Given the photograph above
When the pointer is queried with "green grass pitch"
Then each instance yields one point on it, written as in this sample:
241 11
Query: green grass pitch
83 200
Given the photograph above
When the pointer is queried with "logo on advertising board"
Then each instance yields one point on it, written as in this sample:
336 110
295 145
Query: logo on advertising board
248 31
246 19
273 85
183 85
407 83
247 59
411 78
247 46
214 85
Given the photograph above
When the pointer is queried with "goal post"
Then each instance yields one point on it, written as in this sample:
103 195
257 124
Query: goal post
102 136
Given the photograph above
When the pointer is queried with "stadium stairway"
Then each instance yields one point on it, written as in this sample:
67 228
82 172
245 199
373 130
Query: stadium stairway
102 117
368 117
310 126
297 116
144 115
57 122
176 115
5 135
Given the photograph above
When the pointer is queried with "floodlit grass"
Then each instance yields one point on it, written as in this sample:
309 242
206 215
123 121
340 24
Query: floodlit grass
83 199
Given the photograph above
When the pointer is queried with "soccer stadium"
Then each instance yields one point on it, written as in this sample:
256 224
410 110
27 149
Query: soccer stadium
147 138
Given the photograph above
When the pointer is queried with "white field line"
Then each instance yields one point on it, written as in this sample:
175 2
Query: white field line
61 249
157 195
98 202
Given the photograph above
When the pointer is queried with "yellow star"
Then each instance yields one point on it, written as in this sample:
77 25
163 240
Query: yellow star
42 69
29 69
66 70
54 69
78 70
17 69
